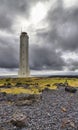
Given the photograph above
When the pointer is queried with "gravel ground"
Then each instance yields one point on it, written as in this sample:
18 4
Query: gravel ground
57 110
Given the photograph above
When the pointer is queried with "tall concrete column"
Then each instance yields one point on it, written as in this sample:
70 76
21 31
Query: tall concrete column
24 56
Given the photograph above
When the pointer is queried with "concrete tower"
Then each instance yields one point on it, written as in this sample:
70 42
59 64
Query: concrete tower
24 63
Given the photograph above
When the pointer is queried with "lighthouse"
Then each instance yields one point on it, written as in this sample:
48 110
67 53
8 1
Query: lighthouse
24 56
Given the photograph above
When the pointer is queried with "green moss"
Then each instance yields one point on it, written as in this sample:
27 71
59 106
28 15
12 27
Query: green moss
36 85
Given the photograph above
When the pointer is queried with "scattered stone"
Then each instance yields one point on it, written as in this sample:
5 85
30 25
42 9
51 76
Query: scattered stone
46 89
48 85
11 97
63 109
70 89
72 124
59 85
19 120
25 85
18 84
34 97
23 103
36 86
55 110
28 100
3 93
65 121
6 86
1 128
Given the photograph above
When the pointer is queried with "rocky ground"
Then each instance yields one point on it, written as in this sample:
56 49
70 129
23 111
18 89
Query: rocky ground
52 110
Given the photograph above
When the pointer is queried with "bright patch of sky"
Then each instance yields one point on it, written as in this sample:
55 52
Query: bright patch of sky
70 3
70 55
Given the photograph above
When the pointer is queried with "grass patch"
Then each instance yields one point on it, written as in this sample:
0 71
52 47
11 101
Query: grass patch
36 85
17 90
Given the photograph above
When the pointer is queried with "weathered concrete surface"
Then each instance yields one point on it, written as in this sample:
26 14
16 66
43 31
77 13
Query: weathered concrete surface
24 56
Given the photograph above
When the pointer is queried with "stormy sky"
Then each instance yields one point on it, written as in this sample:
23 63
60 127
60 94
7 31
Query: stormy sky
52 26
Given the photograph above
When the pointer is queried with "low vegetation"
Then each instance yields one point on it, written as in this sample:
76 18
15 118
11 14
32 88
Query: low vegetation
33 85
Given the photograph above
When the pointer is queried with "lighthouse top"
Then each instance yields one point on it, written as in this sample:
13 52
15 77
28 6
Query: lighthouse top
24 34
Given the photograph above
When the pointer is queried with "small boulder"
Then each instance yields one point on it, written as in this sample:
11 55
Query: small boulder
1 128
34 97
19 120
18 84
24 103
46 90
48 85
70 89
59 85
28 99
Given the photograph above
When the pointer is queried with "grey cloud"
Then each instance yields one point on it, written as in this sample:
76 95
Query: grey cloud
9 9
42 58
8 53
67 35
61 35
72 64
63 28
5 22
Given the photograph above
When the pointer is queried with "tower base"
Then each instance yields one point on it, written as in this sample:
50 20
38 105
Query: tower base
23 75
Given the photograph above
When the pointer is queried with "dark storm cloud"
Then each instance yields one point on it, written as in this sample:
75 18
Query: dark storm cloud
62 34
67 31
63 29
5 21
9 48
8 53
42 58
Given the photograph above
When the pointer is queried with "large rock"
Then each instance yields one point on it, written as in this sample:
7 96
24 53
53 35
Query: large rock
22 85
19 120
1 128
28 99
33 97
48 85
47 89
24 102
70 89
59 85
